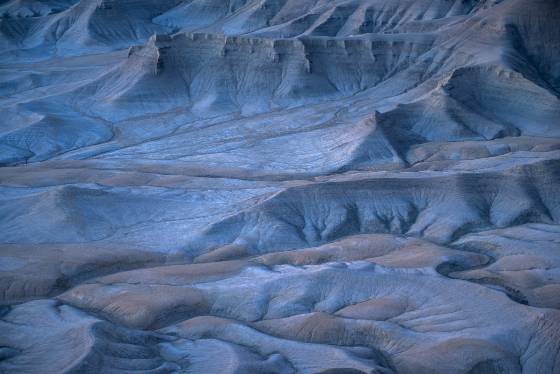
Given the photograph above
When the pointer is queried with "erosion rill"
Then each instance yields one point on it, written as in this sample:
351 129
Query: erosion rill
280 186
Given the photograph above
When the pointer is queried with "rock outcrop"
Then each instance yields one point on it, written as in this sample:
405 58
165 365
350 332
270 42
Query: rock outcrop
280 186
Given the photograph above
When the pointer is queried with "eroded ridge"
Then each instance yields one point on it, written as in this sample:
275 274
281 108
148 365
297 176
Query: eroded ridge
279 186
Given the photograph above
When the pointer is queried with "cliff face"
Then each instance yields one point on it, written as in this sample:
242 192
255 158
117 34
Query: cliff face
280 186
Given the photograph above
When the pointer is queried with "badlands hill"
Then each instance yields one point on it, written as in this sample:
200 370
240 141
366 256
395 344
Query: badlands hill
280 186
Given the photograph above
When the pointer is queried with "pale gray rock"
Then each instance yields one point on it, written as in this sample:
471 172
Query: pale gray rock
280 186
525 262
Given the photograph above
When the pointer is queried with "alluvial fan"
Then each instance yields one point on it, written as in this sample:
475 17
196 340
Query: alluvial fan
280 186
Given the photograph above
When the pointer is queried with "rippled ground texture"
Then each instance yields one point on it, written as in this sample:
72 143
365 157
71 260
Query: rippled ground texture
280 186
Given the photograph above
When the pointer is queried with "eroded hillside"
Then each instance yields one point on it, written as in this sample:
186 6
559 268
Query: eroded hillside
280 186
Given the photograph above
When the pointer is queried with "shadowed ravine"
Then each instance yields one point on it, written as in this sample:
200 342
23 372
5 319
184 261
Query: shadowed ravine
280 186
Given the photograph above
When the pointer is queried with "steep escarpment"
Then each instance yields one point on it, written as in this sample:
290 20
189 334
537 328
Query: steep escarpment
220 74
279 186
314 214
